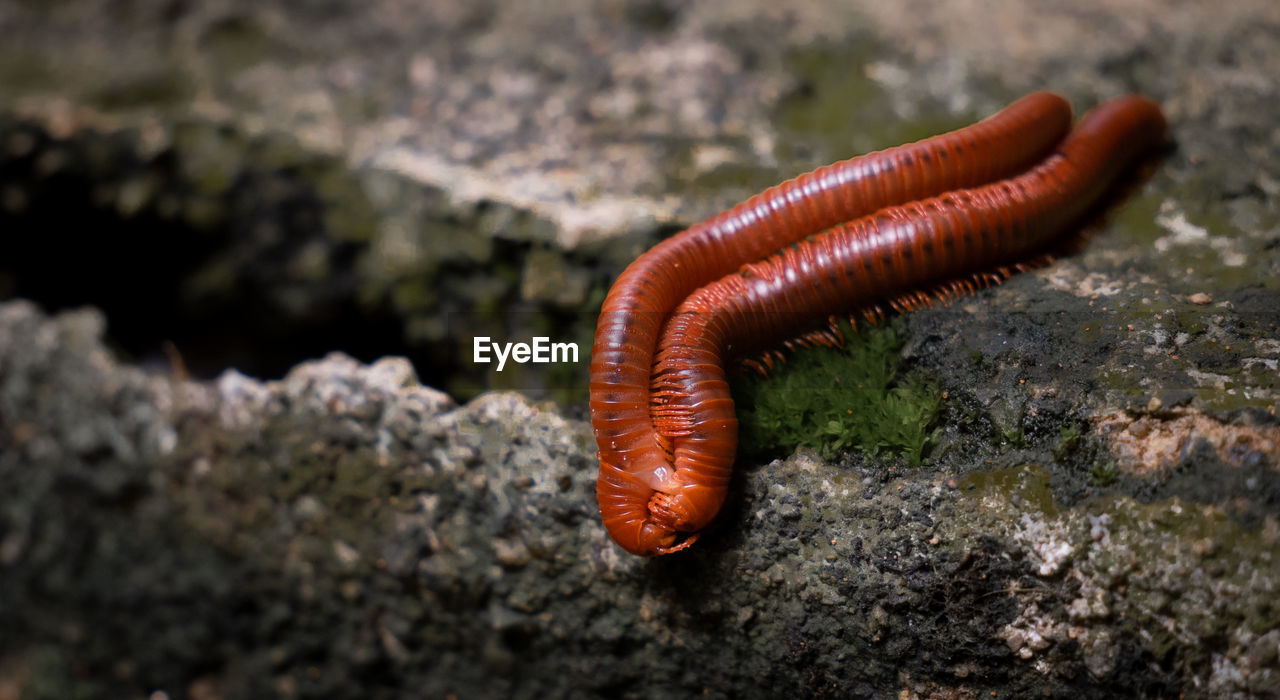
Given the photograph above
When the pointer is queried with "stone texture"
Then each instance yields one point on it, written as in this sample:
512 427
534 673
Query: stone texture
347 532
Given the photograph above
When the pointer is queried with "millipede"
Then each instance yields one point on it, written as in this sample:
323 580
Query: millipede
923 214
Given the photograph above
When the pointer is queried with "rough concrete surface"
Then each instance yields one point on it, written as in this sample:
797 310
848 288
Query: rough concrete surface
259 184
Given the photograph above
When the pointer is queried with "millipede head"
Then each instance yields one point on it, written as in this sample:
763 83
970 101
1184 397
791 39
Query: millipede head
670 518
653 539
656 538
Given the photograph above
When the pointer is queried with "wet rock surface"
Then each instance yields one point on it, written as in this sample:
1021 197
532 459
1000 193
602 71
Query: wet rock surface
261 184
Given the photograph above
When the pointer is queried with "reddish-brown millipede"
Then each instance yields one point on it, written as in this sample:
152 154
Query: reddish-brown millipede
920 244
633 464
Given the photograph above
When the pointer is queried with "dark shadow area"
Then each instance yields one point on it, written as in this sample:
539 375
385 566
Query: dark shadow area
196 299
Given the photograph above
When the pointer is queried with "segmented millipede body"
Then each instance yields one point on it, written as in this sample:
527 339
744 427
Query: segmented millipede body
935 243
633 465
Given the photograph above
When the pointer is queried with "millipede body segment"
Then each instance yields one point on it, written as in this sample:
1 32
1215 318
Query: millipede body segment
666 473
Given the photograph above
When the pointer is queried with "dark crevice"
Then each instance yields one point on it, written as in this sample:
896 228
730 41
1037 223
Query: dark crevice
201 299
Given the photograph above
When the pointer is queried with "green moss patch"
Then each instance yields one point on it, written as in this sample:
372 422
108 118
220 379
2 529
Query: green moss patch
835 400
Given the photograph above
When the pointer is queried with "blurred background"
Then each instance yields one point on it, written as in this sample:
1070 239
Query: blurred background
241 184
